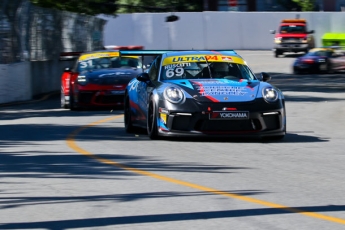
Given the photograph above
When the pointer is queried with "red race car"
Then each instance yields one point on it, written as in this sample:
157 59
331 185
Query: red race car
98 79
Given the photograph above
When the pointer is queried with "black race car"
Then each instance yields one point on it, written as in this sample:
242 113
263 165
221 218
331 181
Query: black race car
320 60
203 93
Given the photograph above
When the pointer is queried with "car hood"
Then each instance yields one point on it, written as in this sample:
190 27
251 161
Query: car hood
110 76
219 90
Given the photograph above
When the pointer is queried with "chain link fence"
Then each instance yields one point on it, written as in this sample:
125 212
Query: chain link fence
31 33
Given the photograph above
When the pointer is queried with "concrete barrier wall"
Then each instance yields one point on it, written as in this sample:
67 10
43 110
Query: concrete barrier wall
46 75
212 30
24 80
15 84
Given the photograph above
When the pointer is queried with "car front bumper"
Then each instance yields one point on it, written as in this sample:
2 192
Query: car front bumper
266 120
288 47
104 98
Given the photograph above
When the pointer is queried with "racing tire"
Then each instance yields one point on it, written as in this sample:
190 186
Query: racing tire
129 128
72 104
63 101
152 129
329 68
277 53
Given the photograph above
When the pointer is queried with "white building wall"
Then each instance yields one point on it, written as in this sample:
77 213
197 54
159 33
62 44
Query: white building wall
211 30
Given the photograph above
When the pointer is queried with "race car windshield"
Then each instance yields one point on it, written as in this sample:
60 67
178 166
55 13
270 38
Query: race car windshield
108 63
319 53
292 29
199 70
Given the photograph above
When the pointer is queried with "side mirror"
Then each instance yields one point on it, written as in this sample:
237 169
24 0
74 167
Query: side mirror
272 31
144 77
67 69
264 77
311 32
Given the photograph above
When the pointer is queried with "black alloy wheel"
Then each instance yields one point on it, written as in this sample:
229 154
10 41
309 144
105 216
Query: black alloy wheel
151 122
128 116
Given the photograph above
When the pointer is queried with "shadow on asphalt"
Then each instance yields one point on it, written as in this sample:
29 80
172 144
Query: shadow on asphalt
322 83
167 217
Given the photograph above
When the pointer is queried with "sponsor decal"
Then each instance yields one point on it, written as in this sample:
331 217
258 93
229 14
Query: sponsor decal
132 85
173 66
221 90
229 115
201 58
163 117
226 58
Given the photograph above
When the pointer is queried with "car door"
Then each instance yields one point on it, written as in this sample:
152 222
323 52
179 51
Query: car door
144 89
338 60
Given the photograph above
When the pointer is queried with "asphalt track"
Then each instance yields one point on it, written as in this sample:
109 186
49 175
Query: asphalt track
80 170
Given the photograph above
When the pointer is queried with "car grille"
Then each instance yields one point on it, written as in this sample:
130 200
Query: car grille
187 123
227 125
291 40
110 99
87 97
271 122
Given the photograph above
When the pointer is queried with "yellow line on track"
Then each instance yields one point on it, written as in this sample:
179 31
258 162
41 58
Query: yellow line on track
73 145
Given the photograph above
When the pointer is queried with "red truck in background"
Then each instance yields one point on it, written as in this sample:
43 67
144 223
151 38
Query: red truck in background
292 36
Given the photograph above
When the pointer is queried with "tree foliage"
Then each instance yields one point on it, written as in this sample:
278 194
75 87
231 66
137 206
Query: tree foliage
112 7
90 7
289 5
306 5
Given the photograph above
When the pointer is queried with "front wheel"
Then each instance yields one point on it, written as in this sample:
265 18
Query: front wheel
64 103
72 103
128 116
152 130
277 53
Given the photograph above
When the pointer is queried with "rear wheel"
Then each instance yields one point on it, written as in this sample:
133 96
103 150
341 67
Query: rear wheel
128 116
152 130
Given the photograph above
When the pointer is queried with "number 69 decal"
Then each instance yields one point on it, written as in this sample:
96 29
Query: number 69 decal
179 71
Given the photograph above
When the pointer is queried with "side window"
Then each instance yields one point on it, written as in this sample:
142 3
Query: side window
154 69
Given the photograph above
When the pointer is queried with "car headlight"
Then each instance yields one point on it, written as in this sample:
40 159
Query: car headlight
278 40
270 94
82 80
173 94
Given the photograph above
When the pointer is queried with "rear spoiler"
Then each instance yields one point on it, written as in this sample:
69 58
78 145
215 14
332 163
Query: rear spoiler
65 56
143 52
159 52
